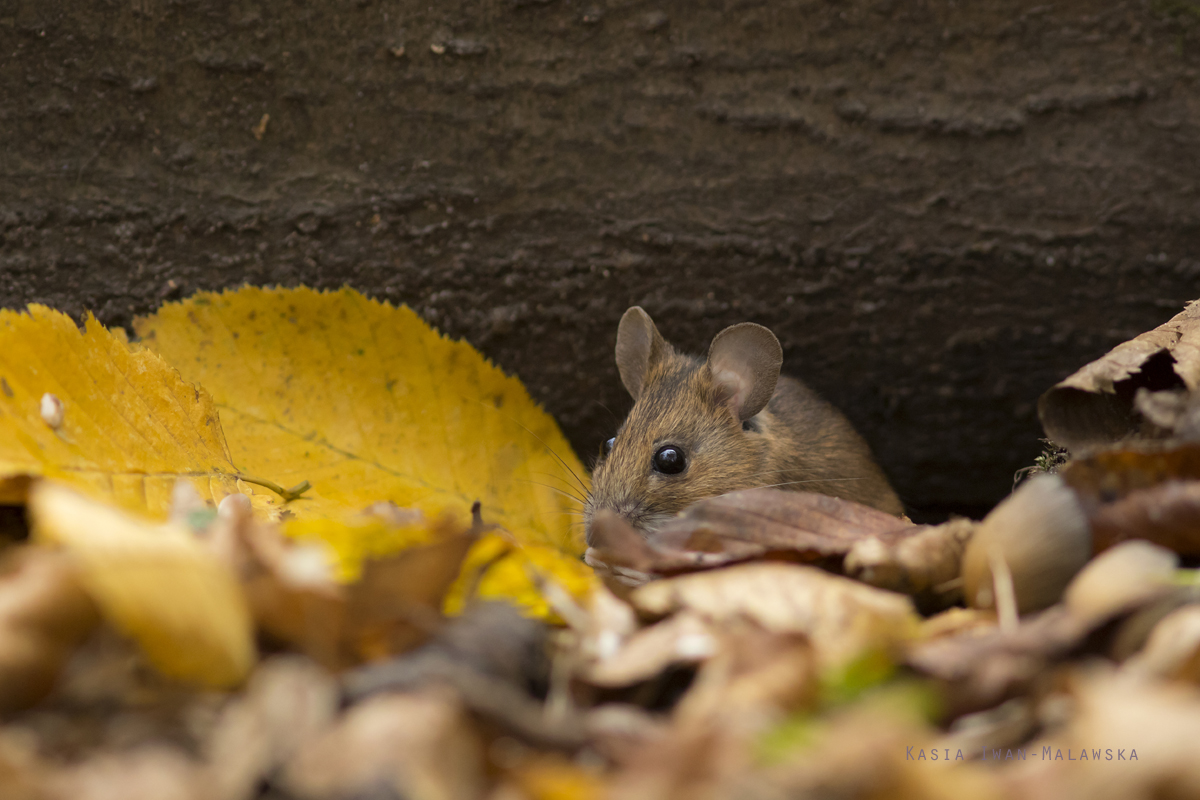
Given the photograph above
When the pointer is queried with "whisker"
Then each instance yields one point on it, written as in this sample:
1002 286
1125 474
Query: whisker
559 478
551 488
549 449
609 410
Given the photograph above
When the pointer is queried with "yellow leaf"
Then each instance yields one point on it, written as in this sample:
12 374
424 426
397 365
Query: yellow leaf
156 583
125 425
367 403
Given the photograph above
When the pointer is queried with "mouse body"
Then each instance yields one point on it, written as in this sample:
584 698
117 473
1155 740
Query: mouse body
704 427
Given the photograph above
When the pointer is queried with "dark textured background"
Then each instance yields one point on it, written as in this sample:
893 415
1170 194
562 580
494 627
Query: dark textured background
941 208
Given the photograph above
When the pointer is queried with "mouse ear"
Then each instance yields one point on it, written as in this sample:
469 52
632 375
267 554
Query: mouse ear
639 345
744 361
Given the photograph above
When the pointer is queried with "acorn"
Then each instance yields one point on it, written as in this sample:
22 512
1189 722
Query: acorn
1034 542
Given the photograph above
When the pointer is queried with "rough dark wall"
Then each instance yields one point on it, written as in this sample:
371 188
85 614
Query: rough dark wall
940 207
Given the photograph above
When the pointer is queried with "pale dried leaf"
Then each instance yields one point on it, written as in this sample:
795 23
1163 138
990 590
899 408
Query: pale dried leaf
44 615
842 617
414 745
1094 406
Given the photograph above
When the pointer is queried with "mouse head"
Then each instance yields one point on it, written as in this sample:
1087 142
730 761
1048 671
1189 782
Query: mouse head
692 432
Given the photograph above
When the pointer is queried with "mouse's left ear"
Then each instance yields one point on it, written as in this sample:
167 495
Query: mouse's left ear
745 360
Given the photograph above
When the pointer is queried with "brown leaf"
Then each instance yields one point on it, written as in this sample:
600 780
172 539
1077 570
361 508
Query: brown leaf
44 615
1173 648
753 677
288 701
740 526
840 616
1095 406
681 639
1112 712
1167 515
408 745
1104 476
982 666
925 564
391 608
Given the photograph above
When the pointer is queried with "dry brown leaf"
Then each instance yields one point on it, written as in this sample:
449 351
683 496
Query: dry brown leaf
287 702
44 615
753 678
1112 716
1167 514
1122 578
743 526
681 639
873 752
1095 406
688 762
1172 650
983 665
391 608
412 745
156 772
1107 475
925 564
811 527
842 617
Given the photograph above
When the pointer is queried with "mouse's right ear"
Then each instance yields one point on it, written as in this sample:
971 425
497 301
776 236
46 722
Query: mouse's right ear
639 345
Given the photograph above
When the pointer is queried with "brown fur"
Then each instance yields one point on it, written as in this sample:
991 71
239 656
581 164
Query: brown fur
802 443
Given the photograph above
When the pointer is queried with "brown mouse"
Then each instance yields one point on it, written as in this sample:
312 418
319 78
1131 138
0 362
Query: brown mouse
700 428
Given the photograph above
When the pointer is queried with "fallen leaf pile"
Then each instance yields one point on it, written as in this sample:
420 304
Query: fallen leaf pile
290 544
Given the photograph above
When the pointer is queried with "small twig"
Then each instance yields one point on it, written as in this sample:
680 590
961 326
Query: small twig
288 495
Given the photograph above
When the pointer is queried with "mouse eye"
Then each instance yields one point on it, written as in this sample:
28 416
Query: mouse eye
670 460
608 446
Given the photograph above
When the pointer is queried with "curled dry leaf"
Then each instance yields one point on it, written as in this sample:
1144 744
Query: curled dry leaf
1111 713
405 745
1095 406
1129 575
154 582
753 522
287 702
740 526
44 615
753 677
157 772
840 616
1173 648
681 639
875 752
982 664
926 564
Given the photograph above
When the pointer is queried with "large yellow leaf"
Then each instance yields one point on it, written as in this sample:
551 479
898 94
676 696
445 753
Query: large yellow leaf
130 426
367 403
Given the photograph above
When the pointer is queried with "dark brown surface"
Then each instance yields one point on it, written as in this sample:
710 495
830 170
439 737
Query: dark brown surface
940 208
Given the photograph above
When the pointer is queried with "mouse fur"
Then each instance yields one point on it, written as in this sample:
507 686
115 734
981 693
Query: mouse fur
738 422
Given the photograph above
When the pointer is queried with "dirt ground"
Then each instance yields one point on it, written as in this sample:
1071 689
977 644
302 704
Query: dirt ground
941 208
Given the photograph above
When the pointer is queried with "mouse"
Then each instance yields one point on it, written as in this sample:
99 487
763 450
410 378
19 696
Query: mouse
701 427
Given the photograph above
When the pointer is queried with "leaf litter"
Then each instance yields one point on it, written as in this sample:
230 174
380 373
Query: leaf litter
293 544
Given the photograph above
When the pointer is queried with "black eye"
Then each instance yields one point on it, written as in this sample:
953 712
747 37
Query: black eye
670 460
607 446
